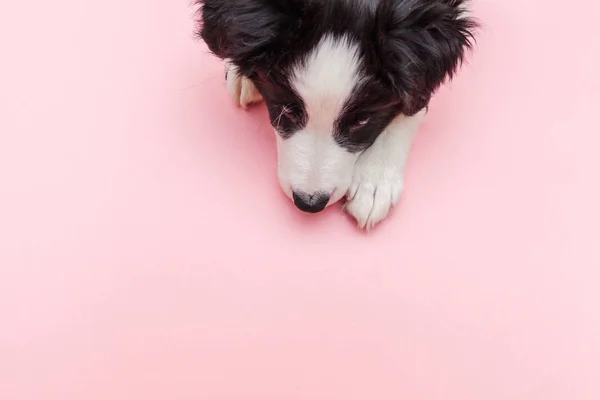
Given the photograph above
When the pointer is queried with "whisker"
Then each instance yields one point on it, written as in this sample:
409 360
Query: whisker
278 119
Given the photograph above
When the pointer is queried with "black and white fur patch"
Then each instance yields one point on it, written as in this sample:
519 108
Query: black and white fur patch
346 83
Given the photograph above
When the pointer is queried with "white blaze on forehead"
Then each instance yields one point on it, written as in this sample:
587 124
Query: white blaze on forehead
326 79
310 160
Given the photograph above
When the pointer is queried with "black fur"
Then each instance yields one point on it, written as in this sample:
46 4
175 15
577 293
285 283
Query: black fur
409 48
420 44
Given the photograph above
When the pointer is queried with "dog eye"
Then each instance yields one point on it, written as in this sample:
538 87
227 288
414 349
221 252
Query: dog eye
360 123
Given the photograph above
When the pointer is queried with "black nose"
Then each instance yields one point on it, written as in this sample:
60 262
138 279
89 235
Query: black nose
311 203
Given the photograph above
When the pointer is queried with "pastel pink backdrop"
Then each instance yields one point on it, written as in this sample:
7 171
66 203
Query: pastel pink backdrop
146 251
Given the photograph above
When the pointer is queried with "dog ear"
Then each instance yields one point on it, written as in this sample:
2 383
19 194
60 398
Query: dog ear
421 44
245 31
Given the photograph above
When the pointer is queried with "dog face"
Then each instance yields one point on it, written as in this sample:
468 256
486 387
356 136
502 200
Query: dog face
335 73
328 111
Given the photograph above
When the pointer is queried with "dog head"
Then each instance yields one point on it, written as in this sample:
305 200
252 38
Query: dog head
335 73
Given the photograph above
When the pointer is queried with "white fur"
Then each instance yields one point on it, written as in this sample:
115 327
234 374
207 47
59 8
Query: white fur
241 89
311 161
379 174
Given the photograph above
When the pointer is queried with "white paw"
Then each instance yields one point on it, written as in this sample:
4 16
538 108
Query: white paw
374 191
242 89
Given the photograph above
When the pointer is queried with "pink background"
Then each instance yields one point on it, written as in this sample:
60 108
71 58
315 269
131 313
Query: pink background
146 251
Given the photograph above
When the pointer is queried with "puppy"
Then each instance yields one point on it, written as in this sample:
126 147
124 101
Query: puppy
346 84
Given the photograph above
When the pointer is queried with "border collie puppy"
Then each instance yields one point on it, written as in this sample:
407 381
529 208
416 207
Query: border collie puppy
346 84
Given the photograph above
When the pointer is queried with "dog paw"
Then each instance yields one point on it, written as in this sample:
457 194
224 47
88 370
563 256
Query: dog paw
374 191
241 89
